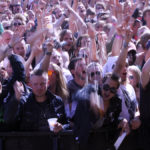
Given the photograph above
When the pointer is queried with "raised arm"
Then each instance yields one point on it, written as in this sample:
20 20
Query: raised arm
120 64
44 64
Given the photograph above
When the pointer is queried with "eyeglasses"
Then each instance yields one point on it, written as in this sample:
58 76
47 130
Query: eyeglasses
131 77
17 24
95 73
106 87
50 72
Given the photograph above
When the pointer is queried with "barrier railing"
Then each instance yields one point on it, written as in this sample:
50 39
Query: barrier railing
98 140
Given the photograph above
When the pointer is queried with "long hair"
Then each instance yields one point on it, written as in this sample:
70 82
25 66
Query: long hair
61 87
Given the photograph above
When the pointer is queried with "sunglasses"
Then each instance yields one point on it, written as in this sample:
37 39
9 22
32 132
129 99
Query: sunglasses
50 72
17 24
7 27
95 73
83 55
106 87
131 77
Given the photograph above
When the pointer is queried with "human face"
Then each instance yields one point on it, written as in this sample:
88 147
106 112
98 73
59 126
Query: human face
9 69
7 37
16 23
132 78
56 58
99 8
85 42
109 89
3 7
58 13
80 70
31 15
39 85
147 17
17 8
68 38
82 11
20 49
94 74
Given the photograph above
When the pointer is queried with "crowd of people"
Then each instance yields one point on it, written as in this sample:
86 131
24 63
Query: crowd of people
85 62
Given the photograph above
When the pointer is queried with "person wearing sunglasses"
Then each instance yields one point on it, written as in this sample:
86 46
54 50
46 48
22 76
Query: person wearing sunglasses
19 20
97 108
94 70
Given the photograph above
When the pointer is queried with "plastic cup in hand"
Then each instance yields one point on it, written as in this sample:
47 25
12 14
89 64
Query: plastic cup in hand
52 122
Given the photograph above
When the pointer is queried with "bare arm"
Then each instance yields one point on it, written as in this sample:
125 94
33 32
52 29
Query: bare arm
120 64
44 64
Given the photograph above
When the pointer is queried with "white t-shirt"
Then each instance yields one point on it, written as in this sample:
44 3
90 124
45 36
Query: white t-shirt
130 90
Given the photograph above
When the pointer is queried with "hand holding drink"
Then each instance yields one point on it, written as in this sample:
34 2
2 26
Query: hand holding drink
54 125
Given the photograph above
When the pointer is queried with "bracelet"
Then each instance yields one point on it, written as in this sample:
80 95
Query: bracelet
125 45
119 37
48 53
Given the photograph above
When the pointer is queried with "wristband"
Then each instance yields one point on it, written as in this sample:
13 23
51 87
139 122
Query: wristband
125 45
48 53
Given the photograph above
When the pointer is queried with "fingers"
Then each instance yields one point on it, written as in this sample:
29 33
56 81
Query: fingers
57 127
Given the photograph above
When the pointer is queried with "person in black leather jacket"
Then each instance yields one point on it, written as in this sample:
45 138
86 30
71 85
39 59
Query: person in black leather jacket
30 112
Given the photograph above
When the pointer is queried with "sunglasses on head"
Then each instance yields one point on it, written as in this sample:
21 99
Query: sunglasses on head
50 72
95 73
17 24
106 87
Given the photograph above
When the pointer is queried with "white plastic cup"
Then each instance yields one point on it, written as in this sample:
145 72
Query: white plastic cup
52 122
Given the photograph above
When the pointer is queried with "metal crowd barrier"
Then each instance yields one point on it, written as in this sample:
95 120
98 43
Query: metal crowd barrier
98 140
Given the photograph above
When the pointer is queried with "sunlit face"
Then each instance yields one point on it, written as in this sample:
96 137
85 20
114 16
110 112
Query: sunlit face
58 13
20 49
85 42
83 52
147 16
94 74
80 70
69 39
7 37
31 15
9 69
16 24
3 7
56 58
82 11
109 89
132 77
39 85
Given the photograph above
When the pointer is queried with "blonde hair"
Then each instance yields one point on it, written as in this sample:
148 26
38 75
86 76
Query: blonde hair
136 70
61 87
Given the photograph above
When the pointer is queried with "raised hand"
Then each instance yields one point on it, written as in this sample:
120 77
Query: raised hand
19 89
